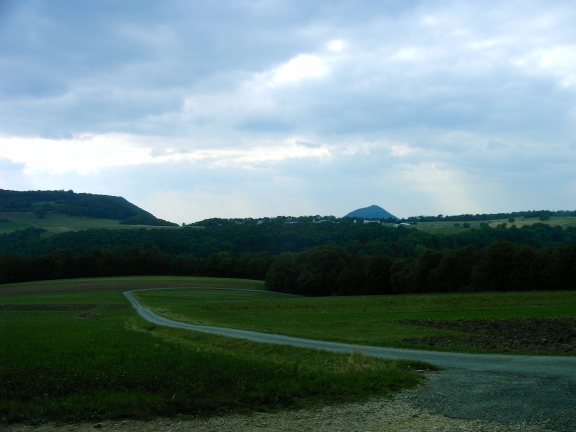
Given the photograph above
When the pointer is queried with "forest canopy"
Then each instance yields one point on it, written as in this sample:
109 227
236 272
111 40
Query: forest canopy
307 258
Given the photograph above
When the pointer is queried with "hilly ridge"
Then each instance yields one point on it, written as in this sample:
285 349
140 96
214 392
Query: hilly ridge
77 205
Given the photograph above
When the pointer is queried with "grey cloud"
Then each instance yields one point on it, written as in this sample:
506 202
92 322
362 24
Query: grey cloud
158 152
494 144
9 165
265 124
460 84
308 144
53 49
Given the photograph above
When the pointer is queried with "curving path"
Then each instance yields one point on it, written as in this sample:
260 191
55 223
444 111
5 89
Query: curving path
480 362
537 390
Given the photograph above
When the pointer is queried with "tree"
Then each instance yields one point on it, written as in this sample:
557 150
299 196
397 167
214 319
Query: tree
454 271
417 277
283 274
398 275
495 267
321 267
377 274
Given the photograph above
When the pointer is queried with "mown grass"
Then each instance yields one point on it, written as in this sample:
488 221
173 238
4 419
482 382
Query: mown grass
58 367
367 320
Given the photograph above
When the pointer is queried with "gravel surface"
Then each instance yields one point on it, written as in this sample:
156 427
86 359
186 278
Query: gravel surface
377 415
546 402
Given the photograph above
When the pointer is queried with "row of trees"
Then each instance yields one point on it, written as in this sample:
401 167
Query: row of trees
324 270
367 239
532 214
499 267
130 261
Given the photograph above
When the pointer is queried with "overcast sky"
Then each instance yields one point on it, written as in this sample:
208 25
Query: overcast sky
197 109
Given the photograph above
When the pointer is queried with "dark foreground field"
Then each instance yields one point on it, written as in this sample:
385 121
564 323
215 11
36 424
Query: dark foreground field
81 355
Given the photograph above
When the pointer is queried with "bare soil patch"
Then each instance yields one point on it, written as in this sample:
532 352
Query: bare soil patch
61 307
87 315
551 335
110 286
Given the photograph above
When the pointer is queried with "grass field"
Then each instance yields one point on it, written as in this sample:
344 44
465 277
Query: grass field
58 366
369 320
449 228
56 223
120 283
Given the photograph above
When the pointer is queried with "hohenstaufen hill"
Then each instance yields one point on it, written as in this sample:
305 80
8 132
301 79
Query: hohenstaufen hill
372 212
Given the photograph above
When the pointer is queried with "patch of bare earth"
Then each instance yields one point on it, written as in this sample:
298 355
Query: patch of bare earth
61 307
87 315
376 415
111 286
550 335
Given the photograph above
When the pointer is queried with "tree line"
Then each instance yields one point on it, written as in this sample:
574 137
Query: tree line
323 270
500 266
129 261
366 239
306 258
531 214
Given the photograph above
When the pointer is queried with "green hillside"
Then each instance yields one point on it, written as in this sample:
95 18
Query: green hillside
60 211
449 227
56 223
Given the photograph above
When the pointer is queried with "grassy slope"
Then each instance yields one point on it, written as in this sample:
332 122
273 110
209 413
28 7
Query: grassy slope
369 320
129 280
449 228
56 223
55 366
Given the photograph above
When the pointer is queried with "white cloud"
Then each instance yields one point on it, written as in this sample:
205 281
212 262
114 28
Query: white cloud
93 153
83 154
561 61
298 68
336 45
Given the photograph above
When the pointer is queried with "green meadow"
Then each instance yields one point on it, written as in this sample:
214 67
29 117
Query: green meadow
448 228
59 365
368 320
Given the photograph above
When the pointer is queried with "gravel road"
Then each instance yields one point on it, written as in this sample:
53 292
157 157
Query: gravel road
533 390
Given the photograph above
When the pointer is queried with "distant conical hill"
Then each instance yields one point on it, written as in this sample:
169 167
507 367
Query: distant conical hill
372 212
